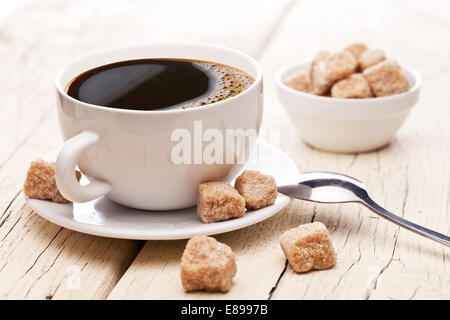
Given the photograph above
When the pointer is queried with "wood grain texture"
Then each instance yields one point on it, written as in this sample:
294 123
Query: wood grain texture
411 176
37 258
375 259
40 260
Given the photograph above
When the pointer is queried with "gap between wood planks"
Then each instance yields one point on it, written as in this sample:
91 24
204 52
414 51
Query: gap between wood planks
397 234
276 28
4 216
260 52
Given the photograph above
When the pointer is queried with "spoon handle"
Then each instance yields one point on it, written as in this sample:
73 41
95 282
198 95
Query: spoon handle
433 235
329 187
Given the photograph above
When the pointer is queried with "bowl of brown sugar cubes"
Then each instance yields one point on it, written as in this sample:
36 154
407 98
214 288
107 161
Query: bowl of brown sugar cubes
352 100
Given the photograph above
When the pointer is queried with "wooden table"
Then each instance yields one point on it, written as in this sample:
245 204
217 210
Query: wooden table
376 259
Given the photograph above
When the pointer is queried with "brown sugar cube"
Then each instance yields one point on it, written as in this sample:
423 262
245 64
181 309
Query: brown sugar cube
339 65
354 86
300 82
207 265
316 73
258 190
41 184
320 56
219 201
356 49
308 247
334 67
371 57
386 78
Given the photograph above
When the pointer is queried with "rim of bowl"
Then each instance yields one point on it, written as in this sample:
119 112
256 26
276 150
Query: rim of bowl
211 106
282 71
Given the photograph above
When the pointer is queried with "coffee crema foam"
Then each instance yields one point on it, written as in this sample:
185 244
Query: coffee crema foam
230 82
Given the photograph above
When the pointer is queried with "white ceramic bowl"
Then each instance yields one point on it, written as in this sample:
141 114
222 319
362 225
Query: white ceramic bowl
346 125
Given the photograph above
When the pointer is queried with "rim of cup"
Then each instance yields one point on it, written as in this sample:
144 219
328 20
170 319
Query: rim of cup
175 45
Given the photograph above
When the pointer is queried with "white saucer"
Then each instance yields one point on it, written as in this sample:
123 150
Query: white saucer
103 217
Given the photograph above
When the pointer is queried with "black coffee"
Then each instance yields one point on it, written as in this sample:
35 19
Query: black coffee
158 84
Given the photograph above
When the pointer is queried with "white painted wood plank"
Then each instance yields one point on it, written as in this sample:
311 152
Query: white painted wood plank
38 259
410 177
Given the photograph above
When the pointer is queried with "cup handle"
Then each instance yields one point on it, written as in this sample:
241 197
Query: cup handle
66 162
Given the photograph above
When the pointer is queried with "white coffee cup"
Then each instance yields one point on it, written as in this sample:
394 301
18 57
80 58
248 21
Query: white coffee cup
126 154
